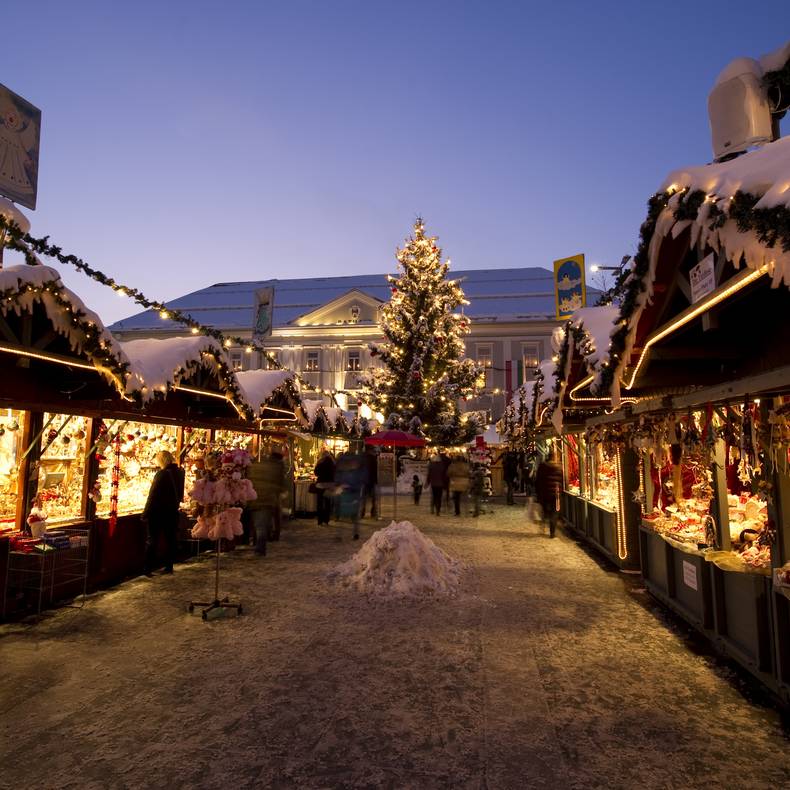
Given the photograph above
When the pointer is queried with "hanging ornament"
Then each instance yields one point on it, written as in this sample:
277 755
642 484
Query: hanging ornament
359 403
66 439
188 429
2 430
79 434
13 425
52 435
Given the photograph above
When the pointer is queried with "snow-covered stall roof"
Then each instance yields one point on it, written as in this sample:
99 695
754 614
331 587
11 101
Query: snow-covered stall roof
258 386
597 325
548 369
764 175
158 365
11 213
23 286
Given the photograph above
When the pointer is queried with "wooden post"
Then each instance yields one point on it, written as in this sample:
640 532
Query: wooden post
394 486
720 508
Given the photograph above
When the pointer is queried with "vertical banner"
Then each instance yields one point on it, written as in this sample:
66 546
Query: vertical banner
20 131
569 291
508 381
519 372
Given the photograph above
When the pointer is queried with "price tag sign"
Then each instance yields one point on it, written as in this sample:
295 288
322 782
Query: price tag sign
689 575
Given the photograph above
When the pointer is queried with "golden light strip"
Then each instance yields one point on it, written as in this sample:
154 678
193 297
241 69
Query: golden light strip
622 543
210 394
60 360
744 279
586 399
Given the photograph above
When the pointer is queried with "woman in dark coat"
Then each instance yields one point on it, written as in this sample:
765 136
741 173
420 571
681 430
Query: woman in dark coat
437 479
161 511
548 485
325 479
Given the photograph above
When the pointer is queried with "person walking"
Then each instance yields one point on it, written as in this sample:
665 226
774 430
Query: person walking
351 475
548 484
436 478
371 487
268 479
325 479
161 511
510 473
459 480
416 487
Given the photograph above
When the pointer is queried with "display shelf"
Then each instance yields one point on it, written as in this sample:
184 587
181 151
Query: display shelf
43 577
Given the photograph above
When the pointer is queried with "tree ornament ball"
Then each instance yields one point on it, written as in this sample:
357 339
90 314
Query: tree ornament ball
359 403
416 375
52 435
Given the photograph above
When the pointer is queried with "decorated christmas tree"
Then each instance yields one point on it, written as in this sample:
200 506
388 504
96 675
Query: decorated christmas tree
424 372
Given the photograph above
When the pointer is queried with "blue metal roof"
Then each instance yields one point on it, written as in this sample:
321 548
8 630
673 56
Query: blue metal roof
494 294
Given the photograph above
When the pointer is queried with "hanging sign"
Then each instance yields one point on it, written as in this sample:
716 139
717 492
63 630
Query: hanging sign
569 290
702 278
20 131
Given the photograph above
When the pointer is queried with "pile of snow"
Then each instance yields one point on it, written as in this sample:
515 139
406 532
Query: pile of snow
397 562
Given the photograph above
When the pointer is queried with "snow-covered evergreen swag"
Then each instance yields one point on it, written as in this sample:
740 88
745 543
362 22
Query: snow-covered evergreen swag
424 370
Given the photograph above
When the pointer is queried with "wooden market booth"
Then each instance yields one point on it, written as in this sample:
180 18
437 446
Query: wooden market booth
76 416
703 353
597 497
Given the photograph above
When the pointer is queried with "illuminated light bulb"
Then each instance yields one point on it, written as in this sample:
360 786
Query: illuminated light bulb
195 330
248 349
122 292
164 314
227 344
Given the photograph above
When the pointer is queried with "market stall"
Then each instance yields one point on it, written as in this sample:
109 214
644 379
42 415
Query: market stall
701 351
597 498
60 367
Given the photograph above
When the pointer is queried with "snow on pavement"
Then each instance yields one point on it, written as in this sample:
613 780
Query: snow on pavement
545 670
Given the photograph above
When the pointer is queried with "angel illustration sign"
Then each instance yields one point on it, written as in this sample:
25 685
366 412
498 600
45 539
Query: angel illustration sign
20 131
569 290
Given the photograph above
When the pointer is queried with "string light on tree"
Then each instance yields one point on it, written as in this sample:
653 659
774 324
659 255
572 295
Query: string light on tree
424 371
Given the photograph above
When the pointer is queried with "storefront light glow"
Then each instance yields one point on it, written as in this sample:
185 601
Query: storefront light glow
622 544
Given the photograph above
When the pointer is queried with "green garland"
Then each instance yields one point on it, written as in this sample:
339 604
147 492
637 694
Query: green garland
30 247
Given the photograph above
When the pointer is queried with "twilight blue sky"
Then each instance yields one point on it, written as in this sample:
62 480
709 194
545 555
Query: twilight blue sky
187 143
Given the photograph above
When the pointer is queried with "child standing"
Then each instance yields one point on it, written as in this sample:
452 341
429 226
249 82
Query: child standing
416 487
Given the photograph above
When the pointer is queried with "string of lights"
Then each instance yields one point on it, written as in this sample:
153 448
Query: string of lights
31 247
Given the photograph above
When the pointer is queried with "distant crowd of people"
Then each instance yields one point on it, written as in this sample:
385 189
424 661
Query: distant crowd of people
345 486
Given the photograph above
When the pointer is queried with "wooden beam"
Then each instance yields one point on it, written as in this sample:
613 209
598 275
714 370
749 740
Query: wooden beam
7 332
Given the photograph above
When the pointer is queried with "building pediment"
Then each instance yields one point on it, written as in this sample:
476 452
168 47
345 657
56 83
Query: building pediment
352 308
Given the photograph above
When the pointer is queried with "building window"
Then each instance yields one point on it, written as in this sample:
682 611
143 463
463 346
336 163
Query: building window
354 313
312 361
485 359
354 360
235 360
530 359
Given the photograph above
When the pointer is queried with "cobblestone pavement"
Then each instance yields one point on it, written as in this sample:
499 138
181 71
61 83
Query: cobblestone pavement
547 670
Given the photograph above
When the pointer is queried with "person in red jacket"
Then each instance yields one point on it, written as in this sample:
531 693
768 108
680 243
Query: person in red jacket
548 484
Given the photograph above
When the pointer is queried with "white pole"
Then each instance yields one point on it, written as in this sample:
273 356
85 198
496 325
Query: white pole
394 486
